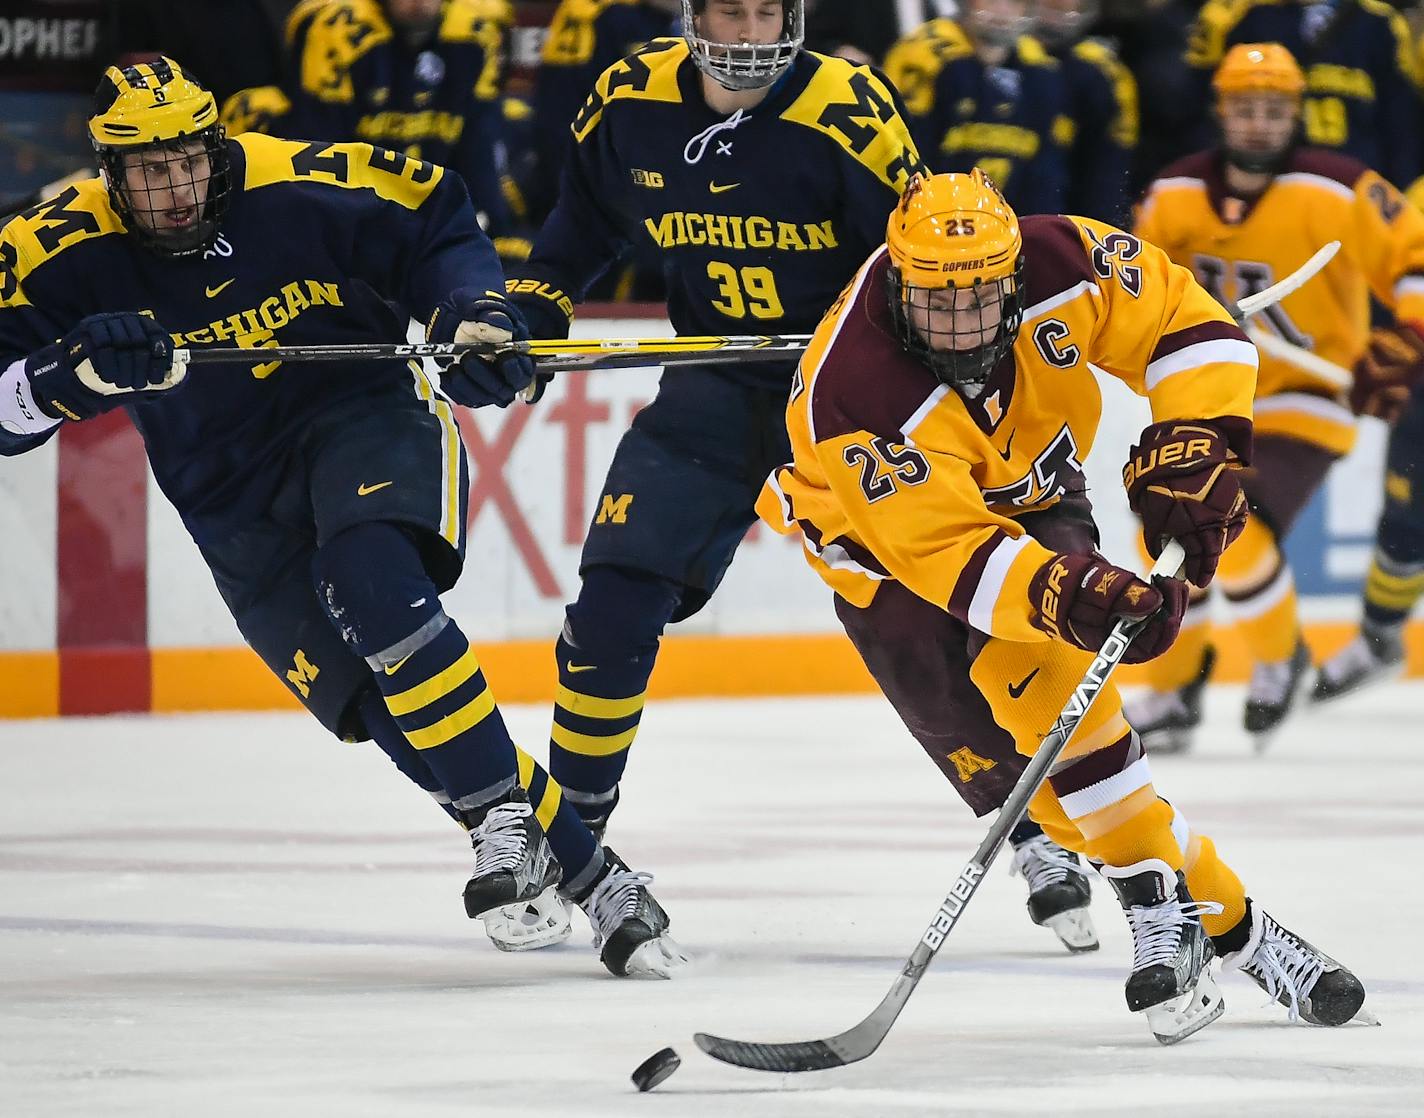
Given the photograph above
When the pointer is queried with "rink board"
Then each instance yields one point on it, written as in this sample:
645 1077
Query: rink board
105 605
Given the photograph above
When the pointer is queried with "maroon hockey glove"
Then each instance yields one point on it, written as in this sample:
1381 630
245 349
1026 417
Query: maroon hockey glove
1076 599
1393 363
1181 480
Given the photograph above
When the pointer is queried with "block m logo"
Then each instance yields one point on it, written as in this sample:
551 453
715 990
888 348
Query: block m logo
302 673
614 509
967 763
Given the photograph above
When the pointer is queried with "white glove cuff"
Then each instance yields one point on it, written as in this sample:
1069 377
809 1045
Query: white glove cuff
19 414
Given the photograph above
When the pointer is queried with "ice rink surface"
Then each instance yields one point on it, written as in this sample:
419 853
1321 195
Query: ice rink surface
240 916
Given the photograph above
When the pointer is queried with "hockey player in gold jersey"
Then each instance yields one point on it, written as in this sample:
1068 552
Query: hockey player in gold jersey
1242 216
938 424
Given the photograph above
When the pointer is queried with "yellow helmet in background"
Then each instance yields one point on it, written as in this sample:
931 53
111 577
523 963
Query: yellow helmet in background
1259 68
158 108
956 231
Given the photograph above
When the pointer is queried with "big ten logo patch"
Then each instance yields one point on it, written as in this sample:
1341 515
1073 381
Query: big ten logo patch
653 180
302 674
614 510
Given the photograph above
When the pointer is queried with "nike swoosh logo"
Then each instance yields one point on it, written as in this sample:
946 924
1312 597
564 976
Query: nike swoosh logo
367 490
1008 446
716 188
210 292
574 669
391 669
1016 691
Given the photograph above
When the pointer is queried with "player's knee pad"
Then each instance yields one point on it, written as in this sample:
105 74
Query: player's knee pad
620 613
374 587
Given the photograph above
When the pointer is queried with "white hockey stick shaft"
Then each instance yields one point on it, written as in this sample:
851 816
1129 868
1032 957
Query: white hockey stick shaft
1337 376
1255 304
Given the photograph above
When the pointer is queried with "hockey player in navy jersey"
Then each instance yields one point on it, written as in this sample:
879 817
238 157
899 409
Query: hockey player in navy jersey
422 77
328 501
762 173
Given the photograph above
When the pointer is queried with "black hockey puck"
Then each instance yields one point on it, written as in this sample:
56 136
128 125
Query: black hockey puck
655 1069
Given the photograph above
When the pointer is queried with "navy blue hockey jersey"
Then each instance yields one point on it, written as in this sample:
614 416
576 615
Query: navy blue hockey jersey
319 242
1012 120
760 218
585 38
354 77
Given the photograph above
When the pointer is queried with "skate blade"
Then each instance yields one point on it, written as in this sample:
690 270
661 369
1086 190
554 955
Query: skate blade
1366 682
1074 930
529 925
1299 698
1175 1020
657 958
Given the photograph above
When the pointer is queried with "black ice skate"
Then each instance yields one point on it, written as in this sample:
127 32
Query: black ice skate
512 859
1273 693
1309 983
1165 720
1058 892
629 925
542 922
1170 982
1374 656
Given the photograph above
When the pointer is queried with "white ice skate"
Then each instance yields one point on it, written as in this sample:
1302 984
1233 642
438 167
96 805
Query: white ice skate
1058 892
1170 983
630 926
1311 985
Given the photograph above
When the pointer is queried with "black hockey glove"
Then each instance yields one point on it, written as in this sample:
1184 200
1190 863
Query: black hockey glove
469 315
102 364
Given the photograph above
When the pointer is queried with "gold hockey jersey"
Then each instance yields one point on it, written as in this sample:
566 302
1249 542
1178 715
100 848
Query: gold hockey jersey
896 476
1236 248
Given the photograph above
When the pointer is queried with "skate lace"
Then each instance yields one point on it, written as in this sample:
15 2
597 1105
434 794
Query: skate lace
501 838
1270 682
614 900
1042 862
1157 929
1285 965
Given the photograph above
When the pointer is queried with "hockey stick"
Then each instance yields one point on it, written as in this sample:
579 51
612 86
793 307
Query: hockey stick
1255 304
861 1040
551 356
1337 376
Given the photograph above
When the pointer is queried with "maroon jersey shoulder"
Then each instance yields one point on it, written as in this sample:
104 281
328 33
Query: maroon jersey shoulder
1198 165
866 380
1328 164
1054 257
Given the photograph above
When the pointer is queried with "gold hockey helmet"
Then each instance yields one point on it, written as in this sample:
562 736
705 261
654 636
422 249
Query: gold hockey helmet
956 235
1258 68
158 109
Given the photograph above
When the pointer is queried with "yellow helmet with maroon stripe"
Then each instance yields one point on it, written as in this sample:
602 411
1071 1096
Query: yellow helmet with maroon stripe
955 233
1258 68
156 113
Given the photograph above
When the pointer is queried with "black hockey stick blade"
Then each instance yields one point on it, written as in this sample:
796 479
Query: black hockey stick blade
800 1055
